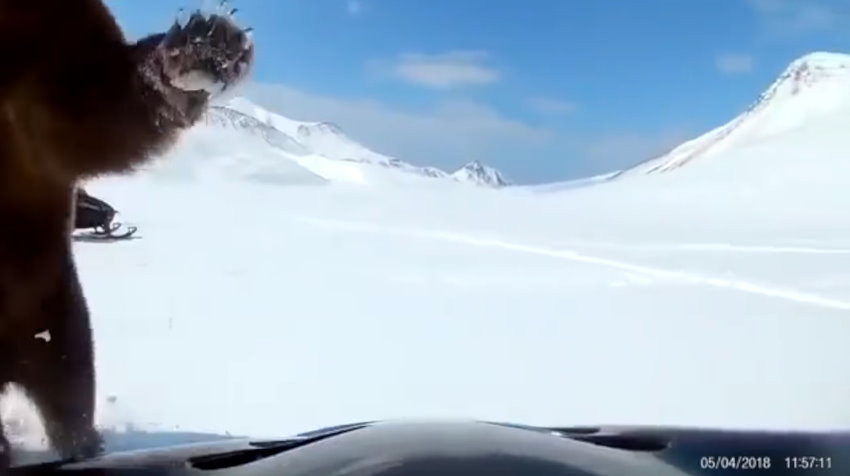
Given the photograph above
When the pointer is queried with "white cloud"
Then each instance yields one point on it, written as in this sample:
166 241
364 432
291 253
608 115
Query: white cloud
547 105
446 136
734 63
354 7
440 71
794 17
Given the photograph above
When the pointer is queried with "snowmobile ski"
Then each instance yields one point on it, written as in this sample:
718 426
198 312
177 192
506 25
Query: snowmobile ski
107 234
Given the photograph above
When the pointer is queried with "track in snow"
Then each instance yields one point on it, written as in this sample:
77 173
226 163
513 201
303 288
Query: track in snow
767 290
720 247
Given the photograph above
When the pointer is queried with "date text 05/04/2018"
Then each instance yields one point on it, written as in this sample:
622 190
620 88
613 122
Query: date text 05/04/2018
735 462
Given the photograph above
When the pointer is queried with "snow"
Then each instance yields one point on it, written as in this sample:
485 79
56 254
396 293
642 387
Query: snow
197 81
320 138
326 305
812 87
328 141
274 291
479 174
568 184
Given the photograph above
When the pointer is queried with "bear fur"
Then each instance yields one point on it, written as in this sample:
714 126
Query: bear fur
78 101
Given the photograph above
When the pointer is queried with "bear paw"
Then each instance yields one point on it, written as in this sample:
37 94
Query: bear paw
208 53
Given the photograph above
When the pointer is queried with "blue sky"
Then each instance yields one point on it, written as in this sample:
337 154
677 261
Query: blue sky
542 89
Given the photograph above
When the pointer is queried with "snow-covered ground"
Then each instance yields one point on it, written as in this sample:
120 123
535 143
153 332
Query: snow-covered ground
265 311
270 292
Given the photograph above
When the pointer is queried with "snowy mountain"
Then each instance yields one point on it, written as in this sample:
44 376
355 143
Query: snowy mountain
479 174
323 139
324 142
813 89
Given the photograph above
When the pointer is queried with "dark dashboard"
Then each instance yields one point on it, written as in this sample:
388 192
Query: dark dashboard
453 448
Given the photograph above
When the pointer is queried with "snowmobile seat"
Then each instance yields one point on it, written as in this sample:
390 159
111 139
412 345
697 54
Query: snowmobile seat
92 212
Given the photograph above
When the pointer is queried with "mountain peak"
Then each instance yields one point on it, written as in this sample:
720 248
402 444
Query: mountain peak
479 174
822 59
807 71
811 87
475 166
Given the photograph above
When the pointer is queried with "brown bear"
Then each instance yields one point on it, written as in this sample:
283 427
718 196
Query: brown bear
76 101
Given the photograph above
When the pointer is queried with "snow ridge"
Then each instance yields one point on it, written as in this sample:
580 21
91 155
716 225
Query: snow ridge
230 118
811 86
479 174
328 140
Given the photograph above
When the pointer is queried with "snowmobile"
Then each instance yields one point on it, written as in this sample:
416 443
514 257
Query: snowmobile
97 216
463 448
